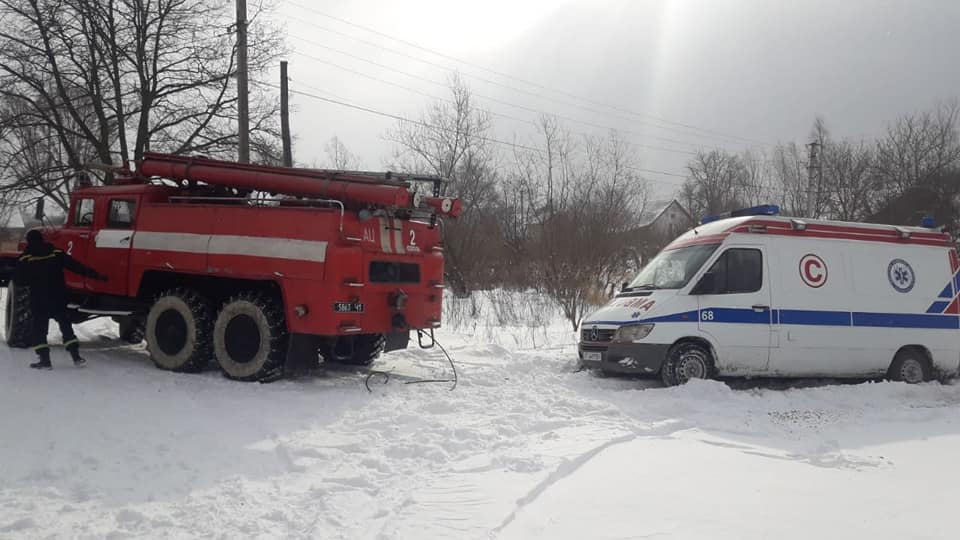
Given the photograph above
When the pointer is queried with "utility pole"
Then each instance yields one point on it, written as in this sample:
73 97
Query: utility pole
285 116
813 168
243 92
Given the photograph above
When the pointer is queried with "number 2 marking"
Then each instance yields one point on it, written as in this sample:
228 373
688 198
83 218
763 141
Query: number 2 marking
70 247
413 237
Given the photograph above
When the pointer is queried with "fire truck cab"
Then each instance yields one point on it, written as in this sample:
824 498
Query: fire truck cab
755 294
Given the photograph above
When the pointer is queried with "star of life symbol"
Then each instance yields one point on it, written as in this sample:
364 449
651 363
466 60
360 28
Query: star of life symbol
901 275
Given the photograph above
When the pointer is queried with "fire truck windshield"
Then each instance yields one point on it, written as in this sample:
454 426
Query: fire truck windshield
672 269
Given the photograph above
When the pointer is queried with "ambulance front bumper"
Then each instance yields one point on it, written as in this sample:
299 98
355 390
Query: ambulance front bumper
624 358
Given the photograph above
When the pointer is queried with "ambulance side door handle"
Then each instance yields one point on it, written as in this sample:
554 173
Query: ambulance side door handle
760 308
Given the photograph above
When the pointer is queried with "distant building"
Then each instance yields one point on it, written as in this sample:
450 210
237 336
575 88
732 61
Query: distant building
666 218
660 222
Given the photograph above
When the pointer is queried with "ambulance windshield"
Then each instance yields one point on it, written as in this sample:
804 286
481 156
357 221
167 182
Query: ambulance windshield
672 269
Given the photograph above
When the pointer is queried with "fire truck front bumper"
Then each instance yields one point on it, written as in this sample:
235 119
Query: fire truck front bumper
624 358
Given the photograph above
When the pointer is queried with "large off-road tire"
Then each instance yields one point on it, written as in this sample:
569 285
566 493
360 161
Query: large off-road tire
360 350
911 365
250 337
685 361
179 331
19 320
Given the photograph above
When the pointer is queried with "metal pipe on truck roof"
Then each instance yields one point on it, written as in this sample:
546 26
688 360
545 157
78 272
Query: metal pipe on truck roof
274 180
445 205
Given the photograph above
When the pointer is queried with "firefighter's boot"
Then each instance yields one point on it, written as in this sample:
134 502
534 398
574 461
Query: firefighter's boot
74 349
44 361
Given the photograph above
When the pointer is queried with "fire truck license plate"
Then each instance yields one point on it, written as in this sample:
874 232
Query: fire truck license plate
348 307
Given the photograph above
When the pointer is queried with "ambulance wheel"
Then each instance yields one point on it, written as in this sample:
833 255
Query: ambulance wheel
178 330
362 352
685 361
18 319
911 365
250 337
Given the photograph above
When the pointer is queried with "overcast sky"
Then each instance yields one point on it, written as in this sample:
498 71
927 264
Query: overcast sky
672 75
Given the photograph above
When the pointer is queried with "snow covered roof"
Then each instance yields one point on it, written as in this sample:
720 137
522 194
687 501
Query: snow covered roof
654 209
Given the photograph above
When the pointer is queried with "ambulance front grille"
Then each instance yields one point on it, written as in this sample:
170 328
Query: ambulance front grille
591 335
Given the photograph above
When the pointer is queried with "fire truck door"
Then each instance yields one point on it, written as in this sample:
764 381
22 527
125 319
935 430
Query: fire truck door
75 236
110 253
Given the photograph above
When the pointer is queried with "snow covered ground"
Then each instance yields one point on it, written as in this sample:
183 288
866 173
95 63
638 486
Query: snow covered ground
522 448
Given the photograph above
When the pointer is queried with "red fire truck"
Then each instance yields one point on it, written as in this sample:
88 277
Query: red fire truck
263 270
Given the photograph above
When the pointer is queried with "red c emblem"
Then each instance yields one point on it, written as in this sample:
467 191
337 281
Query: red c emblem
813 271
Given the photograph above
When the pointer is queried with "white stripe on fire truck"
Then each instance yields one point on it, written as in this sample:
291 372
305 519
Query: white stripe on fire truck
223 244
113 238
385 236
398 236
162 241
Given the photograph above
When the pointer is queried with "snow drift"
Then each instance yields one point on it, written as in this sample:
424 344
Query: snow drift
525 447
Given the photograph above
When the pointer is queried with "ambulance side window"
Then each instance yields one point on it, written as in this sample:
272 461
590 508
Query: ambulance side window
737 271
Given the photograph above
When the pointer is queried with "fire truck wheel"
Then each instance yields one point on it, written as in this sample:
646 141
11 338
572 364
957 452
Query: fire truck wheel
366 348
178 331
249 337
18 317
911 365
685 361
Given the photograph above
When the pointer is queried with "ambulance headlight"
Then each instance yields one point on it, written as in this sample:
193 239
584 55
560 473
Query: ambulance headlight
633 332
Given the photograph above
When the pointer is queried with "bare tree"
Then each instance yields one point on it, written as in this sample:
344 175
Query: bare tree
788 168
586 198
850 187
451 140
757 187
339 156
918 148
717 181
108 80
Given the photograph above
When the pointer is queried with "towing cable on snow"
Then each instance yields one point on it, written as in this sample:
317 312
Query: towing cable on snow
386 374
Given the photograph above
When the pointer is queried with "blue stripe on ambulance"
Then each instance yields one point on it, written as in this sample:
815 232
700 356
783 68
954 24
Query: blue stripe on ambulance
804 318
906 320
947 291
817 318
950 291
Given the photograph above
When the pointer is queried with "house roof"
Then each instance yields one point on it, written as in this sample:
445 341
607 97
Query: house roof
654 209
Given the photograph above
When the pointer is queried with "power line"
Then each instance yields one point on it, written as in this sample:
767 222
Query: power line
337 100
495 113
500 101
707 132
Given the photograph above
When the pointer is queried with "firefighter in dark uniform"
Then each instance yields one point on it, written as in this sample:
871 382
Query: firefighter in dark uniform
40 268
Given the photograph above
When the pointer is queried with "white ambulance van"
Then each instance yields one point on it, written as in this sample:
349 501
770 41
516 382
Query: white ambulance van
758 295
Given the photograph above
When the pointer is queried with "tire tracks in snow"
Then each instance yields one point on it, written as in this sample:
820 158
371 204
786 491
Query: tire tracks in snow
563 470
